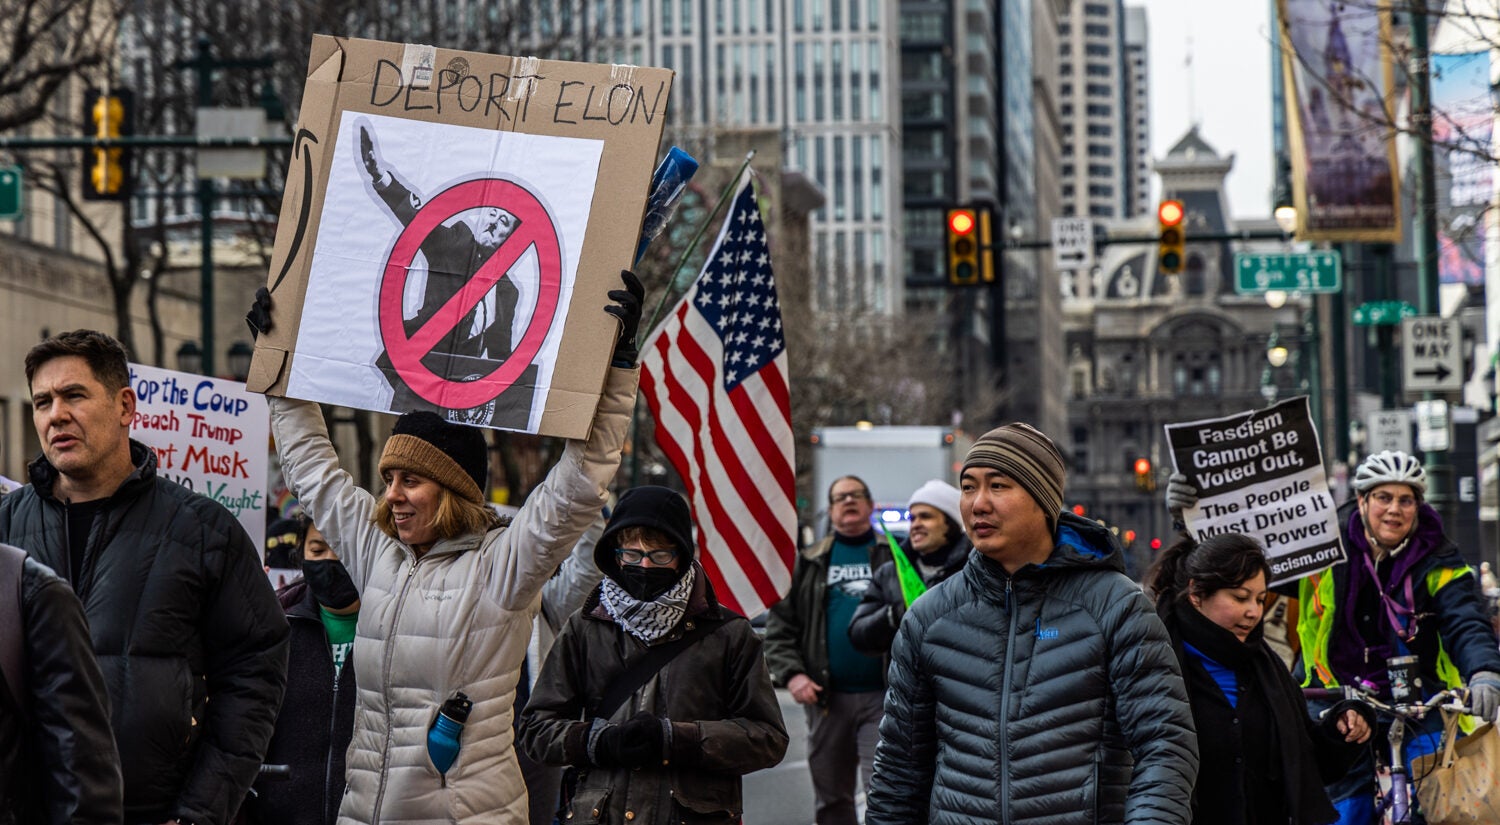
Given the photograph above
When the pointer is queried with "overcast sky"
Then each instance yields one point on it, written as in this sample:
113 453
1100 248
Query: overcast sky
1226 90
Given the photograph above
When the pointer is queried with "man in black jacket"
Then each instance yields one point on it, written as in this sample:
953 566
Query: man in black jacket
935 548
184 623
57 758
808 650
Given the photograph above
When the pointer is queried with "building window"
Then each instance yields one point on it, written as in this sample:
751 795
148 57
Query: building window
818 94
836 58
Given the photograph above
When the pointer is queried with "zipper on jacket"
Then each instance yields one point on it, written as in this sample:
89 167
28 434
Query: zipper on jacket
1010 654
333 724
385 680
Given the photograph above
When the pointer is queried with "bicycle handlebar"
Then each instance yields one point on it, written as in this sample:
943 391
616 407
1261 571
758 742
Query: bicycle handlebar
1450 699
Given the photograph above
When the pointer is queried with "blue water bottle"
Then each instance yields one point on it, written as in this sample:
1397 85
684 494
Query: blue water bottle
668 183
442 737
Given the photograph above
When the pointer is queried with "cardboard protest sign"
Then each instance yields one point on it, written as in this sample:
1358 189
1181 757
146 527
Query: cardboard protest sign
1261 473
451 225
210 436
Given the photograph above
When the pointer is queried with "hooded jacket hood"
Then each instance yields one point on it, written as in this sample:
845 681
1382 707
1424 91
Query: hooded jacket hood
656 508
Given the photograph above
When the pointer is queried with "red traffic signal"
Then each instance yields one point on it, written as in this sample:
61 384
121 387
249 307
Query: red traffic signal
963 247
1145 480
1156 544
1172 240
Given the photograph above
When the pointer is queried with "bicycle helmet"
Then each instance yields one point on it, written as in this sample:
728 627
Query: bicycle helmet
1390 467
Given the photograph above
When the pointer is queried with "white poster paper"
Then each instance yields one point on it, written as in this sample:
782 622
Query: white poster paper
417 214
210 436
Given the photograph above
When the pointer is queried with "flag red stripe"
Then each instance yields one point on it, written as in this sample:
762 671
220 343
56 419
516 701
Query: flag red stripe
752 497
687 406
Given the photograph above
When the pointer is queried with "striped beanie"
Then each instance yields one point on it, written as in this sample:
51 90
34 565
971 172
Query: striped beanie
1024 453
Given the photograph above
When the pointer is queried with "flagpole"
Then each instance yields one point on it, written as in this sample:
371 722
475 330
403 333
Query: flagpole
734 183
635 410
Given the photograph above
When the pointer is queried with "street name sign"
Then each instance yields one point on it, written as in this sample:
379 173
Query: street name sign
1072 243
1432 354
10 193
1256 274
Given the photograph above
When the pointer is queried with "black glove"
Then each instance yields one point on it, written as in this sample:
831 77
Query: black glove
259 316
627 308
636 743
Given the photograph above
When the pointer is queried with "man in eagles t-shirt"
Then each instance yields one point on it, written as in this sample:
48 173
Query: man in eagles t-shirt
808 650
317 716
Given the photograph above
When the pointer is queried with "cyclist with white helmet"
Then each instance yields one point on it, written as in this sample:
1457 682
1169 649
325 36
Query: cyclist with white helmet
1404 590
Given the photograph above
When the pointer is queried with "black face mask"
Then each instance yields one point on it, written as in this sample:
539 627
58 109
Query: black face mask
330 583
644 584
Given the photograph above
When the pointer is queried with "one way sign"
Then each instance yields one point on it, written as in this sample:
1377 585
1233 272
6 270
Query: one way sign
1432 354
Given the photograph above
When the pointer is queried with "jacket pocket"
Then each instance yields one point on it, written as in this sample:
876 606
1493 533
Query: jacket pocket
705 798
589 805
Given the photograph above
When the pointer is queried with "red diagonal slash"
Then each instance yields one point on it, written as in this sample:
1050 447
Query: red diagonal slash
535 230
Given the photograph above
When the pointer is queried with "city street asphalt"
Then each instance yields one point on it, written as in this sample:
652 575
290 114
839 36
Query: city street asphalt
783 795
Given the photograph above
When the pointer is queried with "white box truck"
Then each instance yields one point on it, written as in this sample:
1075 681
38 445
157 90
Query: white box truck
893 460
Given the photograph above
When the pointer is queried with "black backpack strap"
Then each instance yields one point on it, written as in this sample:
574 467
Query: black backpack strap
641 671
12 642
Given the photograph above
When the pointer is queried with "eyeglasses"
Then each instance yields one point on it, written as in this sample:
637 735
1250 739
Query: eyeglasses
634 555
852 495
1385 499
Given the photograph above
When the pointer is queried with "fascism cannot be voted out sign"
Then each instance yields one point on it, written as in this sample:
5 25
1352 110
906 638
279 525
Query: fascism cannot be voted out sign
1260 473
210 436
451 225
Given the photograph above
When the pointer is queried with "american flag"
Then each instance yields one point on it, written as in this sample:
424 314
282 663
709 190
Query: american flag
715 377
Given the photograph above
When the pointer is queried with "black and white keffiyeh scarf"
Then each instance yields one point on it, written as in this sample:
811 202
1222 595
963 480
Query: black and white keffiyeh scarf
647 621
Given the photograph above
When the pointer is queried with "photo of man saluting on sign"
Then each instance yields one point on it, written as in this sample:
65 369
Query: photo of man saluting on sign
455 252
443 268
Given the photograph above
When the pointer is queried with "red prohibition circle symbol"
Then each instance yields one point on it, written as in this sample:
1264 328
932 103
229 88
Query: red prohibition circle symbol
535 229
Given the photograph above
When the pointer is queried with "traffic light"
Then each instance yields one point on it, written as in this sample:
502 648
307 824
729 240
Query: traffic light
1155 544
1129 537
963 247
1172 242
106 172
1145 480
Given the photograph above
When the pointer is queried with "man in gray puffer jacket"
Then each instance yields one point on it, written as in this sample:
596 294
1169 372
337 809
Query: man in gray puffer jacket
1041 625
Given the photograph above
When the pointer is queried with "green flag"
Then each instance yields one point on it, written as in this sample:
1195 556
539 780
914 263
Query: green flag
911 581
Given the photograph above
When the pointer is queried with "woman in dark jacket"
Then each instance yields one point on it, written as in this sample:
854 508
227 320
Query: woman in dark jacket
317 716
1262 757
699 715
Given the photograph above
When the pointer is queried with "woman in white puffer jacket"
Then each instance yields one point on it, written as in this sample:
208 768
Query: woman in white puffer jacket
448 593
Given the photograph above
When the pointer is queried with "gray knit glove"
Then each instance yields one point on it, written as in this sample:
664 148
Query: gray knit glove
1484 695
1180 496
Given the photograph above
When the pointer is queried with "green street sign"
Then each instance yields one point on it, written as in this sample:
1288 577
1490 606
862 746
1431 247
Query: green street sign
1257 274
1383 313
10 193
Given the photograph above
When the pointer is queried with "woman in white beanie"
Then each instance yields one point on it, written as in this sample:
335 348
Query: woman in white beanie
935 548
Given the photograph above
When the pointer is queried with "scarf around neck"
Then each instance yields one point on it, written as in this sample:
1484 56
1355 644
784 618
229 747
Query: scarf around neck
647 621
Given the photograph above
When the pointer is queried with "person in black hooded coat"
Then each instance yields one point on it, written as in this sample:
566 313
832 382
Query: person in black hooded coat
675 749
1263 760
316 720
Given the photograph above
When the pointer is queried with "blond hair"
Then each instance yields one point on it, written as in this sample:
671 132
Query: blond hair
456 516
